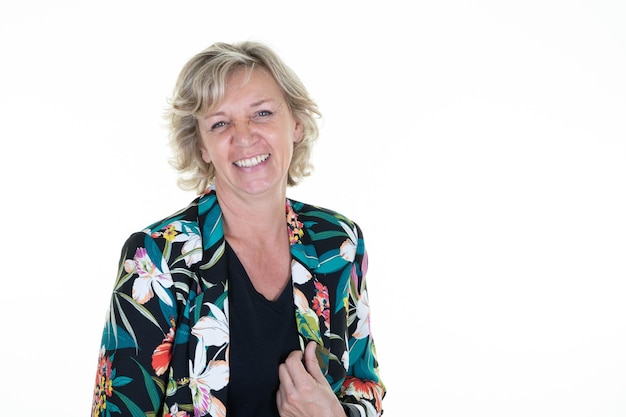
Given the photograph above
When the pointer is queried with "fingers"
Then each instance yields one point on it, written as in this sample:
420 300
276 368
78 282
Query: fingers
290 373
311 363
284 376
297 369
288 370
303 389
294 359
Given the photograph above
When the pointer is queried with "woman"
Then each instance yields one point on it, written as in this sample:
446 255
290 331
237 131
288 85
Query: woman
244 303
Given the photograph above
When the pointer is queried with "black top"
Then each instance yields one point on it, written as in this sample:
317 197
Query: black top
262 334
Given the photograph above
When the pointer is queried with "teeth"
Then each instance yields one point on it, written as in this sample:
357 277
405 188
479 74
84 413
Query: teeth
252 161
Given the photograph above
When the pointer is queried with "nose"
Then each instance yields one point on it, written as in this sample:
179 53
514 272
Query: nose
243 134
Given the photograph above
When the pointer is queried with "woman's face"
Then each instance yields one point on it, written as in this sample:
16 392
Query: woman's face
249 136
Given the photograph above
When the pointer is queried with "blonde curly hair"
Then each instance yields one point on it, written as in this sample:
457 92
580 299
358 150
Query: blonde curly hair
201 85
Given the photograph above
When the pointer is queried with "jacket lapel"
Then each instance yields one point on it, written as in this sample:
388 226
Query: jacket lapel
308 293
304 263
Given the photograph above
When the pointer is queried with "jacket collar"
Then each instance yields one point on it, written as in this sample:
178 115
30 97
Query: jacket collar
210 222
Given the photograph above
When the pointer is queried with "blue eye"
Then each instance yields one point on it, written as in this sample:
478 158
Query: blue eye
264 113
218 125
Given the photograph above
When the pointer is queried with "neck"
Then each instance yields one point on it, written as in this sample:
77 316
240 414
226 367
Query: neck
259 218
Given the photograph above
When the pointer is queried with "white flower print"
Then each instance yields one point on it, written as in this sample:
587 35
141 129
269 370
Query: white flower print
214 375
212 331
348 247
363 316
205 377
192 248
299 273
150 278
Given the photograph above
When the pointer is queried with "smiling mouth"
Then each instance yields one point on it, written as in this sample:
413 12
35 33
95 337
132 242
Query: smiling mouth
248 163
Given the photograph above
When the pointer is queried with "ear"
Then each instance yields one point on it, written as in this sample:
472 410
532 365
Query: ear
205 154
298 132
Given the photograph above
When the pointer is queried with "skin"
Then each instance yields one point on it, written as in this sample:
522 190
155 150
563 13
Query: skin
249 138
304 391
251 121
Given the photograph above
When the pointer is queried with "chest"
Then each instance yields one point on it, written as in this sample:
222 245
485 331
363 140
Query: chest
269 270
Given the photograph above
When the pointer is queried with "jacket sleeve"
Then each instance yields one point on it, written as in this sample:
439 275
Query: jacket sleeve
138 334
362 390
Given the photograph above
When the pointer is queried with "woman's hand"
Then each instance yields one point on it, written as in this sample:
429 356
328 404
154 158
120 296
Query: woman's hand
303 390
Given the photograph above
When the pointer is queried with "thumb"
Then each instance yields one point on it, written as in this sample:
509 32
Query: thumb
311 363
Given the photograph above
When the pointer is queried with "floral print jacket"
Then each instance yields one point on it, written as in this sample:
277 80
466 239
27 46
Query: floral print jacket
165 342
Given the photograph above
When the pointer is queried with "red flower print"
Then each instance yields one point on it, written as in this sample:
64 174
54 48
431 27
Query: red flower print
364 389
321 302
103 386
293 225
162 355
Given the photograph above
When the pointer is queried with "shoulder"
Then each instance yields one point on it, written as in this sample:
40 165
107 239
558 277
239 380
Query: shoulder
176 227
167 248
319 219
188 214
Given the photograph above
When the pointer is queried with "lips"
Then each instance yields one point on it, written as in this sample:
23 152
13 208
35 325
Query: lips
250 162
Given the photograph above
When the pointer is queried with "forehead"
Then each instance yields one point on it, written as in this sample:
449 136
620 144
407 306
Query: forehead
244 87
246 79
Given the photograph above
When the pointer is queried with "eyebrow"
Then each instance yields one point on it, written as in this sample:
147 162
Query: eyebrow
261 101
257 103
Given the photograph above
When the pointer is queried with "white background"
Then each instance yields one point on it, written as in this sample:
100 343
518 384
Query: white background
480 145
